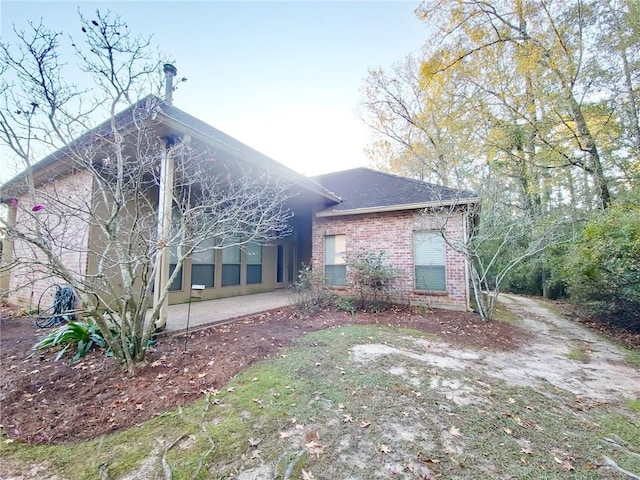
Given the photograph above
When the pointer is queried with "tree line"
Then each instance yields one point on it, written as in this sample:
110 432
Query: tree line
535 106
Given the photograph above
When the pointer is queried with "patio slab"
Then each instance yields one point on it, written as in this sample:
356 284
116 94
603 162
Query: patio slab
205 313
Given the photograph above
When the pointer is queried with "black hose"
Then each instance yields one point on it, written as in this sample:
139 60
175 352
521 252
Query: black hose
64 302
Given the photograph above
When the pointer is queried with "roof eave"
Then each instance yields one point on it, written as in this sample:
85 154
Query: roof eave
175 123
394 208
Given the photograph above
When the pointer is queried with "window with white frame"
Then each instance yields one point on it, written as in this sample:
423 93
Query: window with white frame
231 258
335 265
254 263
429 261
203 263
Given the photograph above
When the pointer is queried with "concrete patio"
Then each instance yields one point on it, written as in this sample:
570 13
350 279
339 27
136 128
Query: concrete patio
210 312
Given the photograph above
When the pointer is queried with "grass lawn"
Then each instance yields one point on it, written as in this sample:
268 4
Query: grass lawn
358 402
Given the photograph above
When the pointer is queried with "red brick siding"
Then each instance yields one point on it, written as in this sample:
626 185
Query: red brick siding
392 233
69 223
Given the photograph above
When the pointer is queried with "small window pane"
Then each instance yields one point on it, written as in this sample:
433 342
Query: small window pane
230 275
205 252
173 254
431 277
177 283
231 263
335 247
202 274
254 274
231 254
336 275
254 263
203 263
254 254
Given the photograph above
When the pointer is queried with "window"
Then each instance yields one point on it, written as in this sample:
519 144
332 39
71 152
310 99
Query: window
231 263
254 263
173 263
429 261
203 266
335 268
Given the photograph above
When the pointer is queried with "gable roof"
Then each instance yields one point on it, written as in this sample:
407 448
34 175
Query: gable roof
181 121
364 190
175 117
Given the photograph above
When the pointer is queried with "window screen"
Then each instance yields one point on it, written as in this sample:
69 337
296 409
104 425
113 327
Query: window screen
429 261
335 268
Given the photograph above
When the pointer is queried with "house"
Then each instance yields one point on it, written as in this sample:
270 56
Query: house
403 218
332 216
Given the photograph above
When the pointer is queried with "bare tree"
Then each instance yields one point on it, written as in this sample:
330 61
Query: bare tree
87 215
497 238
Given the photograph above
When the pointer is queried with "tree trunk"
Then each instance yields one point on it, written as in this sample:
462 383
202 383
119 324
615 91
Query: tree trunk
589 145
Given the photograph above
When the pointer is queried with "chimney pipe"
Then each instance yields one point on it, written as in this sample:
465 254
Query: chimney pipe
170 72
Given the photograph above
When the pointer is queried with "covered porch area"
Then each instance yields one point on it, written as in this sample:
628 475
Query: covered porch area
205 313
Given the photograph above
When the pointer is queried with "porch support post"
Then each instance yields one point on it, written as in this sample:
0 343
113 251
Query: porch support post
165 202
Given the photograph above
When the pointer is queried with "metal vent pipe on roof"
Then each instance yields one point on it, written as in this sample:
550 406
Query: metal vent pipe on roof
170 72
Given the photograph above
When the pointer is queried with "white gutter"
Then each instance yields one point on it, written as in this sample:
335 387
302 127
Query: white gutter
393 208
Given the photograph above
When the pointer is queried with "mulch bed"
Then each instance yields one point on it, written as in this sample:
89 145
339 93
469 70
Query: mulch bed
44 401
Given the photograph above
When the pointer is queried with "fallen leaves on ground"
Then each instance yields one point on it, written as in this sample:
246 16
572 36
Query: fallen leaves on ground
254 442
315 448
384 448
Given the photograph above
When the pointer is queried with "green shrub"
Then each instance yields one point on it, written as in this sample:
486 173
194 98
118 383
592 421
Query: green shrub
80 337
602 270
308 292
345 304
372 278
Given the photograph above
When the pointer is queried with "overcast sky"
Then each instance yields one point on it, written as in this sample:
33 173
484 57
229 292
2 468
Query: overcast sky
282 77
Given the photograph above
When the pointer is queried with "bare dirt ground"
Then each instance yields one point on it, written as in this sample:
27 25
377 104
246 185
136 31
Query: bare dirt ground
548 355
44 401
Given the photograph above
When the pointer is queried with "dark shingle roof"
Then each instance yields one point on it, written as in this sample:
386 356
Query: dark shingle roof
364 189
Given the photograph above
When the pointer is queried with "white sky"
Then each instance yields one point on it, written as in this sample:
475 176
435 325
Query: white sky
282 77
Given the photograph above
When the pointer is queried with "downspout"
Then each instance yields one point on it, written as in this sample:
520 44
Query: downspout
467 266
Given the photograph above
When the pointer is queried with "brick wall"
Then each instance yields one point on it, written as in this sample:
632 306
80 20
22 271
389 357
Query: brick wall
392 233
66 204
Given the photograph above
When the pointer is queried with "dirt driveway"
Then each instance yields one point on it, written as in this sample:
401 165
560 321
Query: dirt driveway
599 372
560 352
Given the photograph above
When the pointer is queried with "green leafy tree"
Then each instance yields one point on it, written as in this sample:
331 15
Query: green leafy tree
533 104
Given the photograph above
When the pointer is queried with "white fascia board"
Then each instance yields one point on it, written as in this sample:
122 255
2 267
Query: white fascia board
394 208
